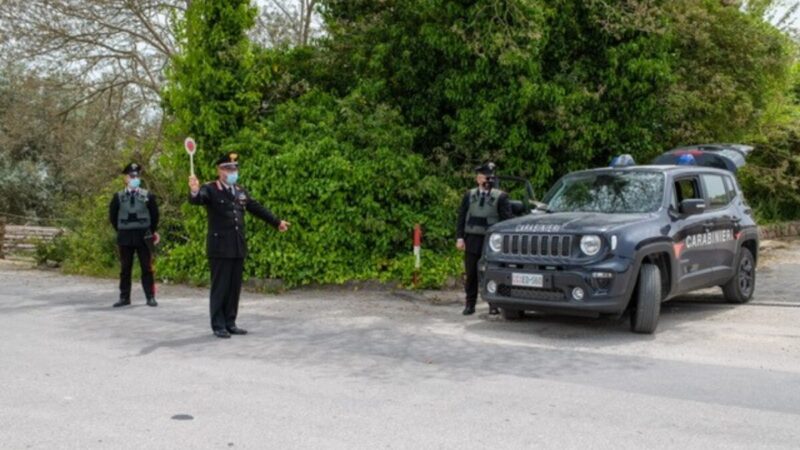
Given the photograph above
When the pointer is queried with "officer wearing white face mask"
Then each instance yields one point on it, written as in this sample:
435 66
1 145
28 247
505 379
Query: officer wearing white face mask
226 202
481 207
133 212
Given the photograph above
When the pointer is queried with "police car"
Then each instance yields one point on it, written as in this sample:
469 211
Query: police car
626 238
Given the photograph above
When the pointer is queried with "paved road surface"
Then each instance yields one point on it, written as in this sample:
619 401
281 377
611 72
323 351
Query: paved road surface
339 369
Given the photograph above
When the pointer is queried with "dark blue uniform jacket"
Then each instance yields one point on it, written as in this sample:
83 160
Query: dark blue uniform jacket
226 228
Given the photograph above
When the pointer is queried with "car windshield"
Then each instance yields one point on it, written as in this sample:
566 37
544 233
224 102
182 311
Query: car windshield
607 192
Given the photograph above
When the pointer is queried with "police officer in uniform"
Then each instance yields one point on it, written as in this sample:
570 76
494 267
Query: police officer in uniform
226 203
481 207
133 212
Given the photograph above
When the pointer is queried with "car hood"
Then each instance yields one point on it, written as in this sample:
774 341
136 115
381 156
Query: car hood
569 222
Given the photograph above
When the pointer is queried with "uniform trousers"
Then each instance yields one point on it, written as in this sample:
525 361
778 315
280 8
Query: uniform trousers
226 285
471 268
126 253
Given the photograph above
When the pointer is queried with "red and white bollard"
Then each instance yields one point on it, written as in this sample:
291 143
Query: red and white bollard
417 259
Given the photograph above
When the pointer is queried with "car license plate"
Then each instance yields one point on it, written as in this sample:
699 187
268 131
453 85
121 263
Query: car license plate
534 280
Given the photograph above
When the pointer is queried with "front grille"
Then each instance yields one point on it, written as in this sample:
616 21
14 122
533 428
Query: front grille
552 245
546 295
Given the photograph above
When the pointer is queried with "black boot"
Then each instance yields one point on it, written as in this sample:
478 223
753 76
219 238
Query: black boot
469 309
222 334
152 301
122 302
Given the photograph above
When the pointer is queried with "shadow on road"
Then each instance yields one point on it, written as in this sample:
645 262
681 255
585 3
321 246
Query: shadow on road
675 314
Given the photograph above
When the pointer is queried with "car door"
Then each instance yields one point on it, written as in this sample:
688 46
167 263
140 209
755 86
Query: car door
692 256
723 222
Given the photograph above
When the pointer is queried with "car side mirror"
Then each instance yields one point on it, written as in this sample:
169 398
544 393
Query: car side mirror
693 206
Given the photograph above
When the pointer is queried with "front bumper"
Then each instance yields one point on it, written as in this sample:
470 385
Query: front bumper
601 295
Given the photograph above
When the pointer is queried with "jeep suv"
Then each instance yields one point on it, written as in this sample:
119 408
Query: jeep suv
624 238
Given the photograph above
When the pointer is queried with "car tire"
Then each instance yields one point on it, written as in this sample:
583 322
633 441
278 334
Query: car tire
647 300
741 286
512 314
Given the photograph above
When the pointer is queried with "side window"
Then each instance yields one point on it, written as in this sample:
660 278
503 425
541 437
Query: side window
686 189
730 187
718 195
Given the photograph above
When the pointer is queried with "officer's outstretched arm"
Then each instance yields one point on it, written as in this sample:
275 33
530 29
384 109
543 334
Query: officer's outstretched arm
260 211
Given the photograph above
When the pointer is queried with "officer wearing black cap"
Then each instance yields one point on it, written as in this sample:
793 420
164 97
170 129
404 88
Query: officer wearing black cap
226 203
133 212
481 207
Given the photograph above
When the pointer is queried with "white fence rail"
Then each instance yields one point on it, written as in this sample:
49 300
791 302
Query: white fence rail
21 240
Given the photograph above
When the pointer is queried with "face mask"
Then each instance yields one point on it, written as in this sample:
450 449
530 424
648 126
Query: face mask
134 183
232 177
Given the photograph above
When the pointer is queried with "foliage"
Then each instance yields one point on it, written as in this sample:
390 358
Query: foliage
375 128
53 151
772 179
26 189
91 243
52 252
722 94
544 87
550 87
342 172
210 93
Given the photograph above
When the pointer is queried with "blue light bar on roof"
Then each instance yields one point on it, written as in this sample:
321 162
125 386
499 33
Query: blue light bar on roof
622 161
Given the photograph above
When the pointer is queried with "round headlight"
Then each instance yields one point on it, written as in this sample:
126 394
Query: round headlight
496 242
590 245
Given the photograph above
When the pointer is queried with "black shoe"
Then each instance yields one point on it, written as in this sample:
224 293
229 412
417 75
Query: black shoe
122 302
493 310
222 334
469 310
152 302
236 330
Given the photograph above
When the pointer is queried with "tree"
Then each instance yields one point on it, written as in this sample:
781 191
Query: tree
546 87
47 158
97 46
721 92
211 95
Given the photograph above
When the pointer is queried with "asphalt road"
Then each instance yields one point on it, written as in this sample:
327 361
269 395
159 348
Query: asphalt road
343 369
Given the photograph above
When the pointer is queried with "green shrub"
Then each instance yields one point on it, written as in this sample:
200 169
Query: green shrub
91 245
771 179
341 171
52 252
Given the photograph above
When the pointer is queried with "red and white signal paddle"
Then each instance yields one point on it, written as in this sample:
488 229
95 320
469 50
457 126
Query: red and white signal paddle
190 147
